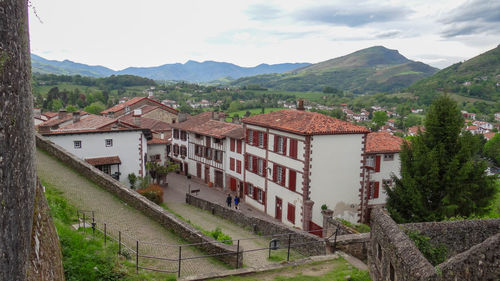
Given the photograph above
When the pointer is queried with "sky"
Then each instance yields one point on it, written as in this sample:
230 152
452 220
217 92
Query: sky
123 33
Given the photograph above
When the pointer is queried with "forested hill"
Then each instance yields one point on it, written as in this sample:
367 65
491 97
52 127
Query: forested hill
375 69
190 71
478 77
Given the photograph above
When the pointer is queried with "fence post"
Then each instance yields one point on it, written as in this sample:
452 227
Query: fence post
289 241
238 255
93 224
180 258
105 234
119 242
137 256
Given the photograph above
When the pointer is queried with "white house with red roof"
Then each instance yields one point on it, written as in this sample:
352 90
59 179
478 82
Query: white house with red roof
296 161
381 161
150 109
110 146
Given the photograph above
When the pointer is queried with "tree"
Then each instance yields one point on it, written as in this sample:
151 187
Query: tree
17 142
94 108
441 173
380 117
492 149
158 171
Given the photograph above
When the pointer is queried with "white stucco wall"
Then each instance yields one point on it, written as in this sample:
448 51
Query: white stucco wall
236 156
125 145
387 168
161 149
335 175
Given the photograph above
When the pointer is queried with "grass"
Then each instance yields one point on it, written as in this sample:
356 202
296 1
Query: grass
361 228
332 270
253 111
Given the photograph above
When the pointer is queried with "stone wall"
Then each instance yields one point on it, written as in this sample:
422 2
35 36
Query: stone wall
355 245
139 202
474 247
458 236
313 245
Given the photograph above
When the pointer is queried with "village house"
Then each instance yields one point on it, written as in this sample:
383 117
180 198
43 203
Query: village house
497 116
297 161
413 130
201 144
150 109
110 146
484 125
382 161
467 115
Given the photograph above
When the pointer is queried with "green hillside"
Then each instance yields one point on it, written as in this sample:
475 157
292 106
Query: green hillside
369 70
477 78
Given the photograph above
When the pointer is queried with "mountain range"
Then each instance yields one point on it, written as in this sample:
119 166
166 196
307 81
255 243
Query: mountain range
191 71
374 69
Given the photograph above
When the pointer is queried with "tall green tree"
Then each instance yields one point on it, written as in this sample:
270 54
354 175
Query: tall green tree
441 172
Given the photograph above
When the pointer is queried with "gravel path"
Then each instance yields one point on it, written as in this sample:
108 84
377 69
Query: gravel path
84 194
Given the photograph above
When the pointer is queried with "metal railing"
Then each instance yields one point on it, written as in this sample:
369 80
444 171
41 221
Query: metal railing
172 256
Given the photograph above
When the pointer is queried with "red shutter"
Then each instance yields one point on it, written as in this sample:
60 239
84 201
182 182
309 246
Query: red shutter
231 164
254 166
232 145
238 166
293 148
274 173
292 176
246 162
255 197
246 188
275 143
255 140
265 141
375 189
246 136
291 213
264 197
283 176
377 163
264 169
284 146
239 146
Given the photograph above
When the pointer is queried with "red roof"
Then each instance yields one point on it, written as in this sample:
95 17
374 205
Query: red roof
193 121
104 160
132 101
214 128
379 142
89 122
50 114
158 141
304 123
147 123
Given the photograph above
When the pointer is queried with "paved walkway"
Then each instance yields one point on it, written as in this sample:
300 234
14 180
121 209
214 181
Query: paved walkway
84 194
174 198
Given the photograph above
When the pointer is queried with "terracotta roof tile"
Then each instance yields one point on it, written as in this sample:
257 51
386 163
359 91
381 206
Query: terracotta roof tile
193 121
304 123
90 122
489 135
146 123
122 105
104 160
238 133
158 141
214 128
379 142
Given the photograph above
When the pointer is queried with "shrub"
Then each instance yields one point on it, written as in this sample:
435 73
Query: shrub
435 255
218 235
153 192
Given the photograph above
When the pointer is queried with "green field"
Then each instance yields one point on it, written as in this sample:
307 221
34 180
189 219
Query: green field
253 111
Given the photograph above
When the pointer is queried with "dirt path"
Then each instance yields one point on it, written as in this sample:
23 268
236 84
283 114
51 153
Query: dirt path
84 194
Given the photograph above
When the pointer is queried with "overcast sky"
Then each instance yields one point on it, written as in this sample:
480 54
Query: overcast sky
123 33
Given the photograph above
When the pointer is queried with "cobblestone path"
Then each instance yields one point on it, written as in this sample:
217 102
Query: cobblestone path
84 194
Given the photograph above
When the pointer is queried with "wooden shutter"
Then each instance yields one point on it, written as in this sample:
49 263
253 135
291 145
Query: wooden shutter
375 189
238 147
275 143
275 179
232 145
377 163
264 169
233 184
255 191
284 145
292 176
246 188
231 164
264 197
238 166
255 140
247 134
293 148
291 213
246 162
254 166
265 141
283 175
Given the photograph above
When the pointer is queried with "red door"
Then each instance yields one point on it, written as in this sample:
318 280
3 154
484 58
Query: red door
232 184
279 207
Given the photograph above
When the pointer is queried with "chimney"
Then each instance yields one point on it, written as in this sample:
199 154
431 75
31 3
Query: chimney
44 129
215 115
236 119
300 105
137 117
162 136
37 112
222 117
76 117
62 113
182 117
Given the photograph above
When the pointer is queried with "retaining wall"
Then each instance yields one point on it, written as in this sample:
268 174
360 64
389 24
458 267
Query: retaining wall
355 245
315 245
139 202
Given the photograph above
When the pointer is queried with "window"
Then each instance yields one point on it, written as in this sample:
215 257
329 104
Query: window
217 140
238 166
198 150
183 151
77 144
370 161
260 166
259 195
250 189
293 148
198 136
238 146
218 156
250 163
105 169
176 134
291 213
374 189
127 108
183 135
388 157
231 164
176 150
207 141
249 136
279 174
261 139
280 144
208 153
231 146
109 142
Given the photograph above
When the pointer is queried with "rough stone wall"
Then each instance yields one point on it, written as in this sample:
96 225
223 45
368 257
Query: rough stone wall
315 245
355 245
391 248
479 263
458 236
45 255
139 202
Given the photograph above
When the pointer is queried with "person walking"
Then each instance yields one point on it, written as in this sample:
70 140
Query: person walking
229 199
236 202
